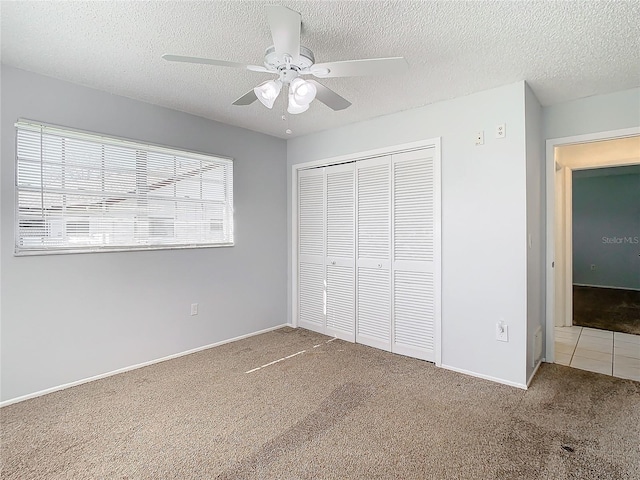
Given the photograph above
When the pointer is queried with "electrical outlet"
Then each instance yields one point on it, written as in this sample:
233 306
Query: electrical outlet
194 309
502 332
501 131
480 138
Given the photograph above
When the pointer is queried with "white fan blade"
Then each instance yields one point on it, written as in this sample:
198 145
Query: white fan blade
219 63
285 30
246 99
330 98
357 68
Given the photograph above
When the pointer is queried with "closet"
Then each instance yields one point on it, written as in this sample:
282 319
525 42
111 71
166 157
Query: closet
366 251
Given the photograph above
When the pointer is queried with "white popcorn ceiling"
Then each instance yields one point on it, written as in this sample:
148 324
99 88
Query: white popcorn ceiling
564 50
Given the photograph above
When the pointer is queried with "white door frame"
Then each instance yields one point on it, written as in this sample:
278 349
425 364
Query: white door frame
565 190
428 143
564 245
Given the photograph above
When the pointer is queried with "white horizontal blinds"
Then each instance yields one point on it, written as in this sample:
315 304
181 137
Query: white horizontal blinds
373 325
413 248
311 248
340 260
78 191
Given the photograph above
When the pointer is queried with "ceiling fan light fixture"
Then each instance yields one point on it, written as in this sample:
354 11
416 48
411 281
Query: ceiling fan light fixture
289 60
303 92
294 107
267 92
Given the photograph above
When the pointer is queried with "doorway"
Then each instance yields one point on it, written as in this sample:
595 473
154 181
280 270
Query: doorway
588 346
606 243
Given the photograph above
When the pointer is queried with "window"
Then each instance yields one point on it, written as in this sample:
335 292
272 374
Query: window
79 192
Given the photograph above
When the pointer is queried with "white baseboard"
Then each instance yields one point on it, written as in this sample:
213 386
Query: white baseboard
485 377
605 286
134 367
533 374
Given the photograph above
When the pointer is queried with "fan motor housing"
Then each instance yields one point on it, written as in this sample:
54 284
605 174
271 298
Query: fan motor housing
272 61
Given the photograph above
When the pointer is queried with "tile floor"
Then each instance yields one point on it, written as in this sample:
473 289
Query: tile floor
600 351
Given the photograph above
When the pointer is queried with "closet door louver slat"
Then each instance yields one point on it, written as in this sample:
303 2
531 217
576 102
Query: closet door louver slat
340 302
311 246
311 296
340 260
413 309
373 326
340 212
311 215
413 254
373 308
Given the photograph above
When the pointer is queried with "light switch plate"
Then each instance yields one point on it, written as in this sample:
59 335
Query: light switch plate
502 332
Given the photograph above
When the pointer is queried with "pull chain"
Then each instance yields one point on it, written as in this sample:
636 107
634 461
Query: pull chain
285 117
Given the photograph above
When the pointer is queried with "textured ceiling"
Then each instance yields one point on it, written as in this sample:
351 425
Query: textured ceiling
564 50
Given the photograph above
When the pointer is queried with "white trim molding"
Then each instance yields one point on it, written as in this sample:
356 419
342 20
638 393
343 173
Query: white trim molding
64 386
485 377
533 374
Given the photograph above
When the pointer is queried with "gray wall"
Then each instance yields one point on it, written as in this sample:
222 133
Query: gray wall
600 113
484 253
606 229
536 230
69 317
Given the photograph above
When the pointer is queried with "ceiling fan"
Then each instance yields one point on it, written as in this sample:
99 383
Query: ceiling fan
292 61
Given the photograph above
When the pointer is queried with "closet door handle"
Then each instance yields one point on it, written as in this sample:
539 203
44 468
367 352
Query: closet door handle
379 265
333 262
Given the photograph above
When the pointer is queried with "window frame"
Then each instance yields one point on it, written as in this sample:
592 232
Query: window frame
140 147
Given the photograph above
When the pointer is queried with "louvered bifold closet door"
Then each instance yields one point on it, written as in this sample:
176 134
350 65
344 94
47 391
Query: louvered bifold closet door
311 249
340 260
414 275
373 251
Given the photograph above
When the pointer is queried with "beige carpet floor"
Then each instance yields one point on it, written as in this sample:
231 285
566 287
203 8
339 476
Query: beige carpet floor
336 411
